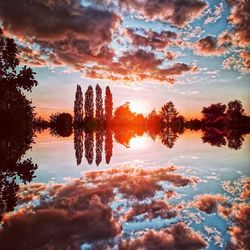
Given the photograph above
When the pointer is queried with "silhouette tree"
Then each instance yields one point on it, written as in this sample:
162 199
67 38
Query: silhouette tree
178 124
78 106
214 136
99 104
61 124
89 104
234 111
168 113
99 146
89 147
234 139
123 114
214 114
168 137
108 145
108 105
78 144
153 124
16 116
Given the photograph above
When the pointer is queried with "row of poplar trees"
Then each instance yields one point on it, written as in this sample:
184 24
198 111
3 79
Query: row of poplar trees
84 108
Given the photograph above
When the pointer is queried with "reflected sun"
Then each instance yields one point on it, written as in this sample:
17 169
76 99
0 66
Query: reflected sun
138 143
138 107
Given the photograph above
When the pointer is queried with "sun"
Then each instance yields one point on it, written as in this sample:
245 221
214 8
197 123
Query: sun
138 107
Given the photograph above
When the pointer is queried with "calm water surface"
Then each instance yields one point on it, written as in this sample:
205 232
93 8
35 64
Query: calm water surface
149 196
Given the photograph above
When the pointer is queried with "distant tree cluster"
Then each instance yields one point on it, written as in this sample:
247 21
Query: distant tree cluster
93 113
221 115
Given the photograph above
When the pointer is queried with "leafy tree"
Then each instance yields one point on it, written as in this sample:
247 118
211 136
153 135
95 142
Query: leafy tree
89 104
78 106
213 136
108 105
16 116
99 103
10 78
178 124
234 111
168 113
123 114
215 113
168 137
61 124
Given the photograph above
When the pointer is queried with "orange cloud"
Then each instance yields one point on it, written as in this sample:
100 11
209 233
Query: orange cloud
177 237
178 13
208 46
208 203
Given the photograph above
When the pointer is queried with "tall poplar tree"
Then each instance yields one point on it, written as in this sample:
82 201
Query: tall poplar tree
78 106
89 103
108 105
99 103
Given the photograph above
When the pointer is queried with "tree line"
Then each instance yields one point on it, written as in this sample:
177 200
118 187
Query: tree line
90 112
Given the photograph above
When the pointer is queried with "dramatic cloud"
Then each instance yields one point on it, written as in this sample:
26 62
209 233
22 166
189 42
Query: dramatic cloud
75 211
240 19
81 37
208 46
139 65
177 237
208 203
155 209
176 12
152 39
239 230
64 30
240 62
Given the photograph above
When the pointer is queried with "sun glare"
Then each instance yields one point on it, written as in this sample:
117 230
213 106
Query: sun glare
138 143
138 107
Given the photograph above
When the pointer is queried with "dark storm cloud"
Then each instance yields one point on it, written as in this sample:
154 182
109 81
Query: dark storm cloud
176 12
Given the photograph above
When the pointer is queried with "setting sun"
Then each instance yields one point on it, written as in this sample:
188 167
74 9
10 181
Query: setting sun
138 107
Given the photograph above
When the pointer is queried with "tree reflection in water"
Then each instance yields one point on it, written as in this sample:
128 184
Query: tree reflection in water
89 147
108 145
78 145
13 167
99 146
233 138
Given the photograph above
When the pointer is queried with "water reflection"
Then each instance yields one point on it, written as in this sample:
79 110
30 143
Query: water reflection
116 206
167 136
78 145
13 168
130 208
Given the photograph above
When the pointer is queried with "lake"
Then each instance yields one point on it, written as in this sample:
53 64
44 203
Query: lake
128 191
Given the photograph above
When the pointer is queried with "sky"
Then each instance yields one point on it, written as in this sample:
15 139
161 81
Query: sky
191 52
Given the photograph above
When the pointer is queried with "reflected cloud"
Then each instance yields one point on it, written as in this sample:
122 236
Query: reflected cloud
114 208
